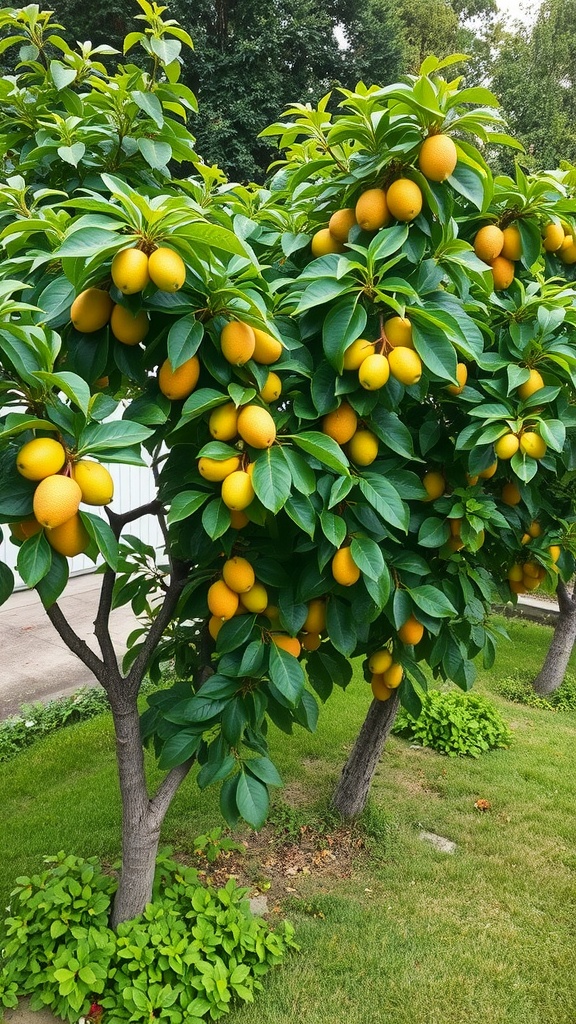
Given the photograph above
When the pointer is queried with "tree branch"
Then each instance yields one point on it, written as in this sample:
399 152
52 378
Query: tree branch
167 789
134 677
75 644
565 602
118 520
102 625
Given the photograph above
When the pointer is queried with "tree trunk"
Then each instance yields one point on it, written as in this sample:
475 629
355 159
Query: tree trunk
353 787
552 673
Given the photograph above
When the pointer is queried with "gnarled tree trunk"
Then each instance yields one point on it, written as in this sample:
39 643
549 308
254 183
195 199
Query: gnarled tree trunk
552 673
353 787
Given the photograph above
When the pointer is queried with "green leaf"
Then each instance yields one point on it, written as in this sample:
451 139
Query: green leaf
228 807
54 582
287 674
252 799
61 75
340 626
74 387
185 504
184 338
384 497
99 437
150 104
368 557
302 512
156 154
236 632
86 242
216 518
263 768
72 154
324 290
178 749
102 533
324 449
34 559
6 582
554 433
334 528
390 429
342 325
432 601
272 480
198 403
435 350
433 533
303 477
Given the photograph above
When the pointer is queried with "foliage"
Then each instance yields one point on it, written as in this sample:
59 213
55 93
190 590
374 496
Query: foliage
455 724
519 689
190 955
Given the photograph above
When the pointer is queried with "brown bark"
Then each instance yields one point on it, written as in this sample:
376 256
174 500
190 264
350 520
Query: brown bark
354 784
552 673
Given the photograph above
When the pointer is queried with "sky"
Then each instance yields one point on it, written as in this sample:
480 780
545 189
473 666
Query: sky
520 10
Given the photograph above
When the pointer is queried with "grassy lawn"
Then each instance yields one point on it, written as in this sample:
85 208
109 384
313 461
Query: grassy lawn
411 934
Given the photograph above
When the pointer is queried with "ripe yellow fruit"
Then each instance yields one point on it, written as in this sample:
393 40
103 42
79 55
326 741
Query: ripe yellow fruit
554 551
71 538
517 587
511 494
267 349
530 583
222 602
405 365
506 446
568 254
512 247
526 538
129 329
411 632
287 643
380 661
91 310
553 237
398 330
533 445
488 242
434 484
340 224
310 641
323 242
167 269
39 458
214 626
56 499
487 473
502 273
237 490
535 530
256 600
363 448
238 520
217 470
272 389
567 242
341 424
315 621
530 386
404 199
95 482
393 676
461 377
379 689
178 384
237 342
437 157
515 572
223 422
372 211
238 574
531 570
344 568
256 426
357 352
374 372
130 271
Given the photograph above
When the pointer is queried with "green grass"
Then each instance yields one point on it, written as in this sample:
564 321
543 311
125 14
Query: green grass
414 936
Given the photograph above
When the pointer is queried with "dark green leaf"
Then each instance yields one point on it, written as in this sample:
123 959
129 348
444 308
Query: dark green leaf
323 449
263 768
368 557
340 626
6 582
184 338
216 518
54 582
252 799
272 479
343 324
34 559
185 504
286 673
101 532
178 749
432 601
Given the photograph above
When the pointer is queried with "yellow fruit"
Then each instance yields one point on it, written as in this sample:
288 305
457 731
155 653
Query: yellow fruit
531 570
39 458
554 551
526 538
379 689
237 342
223 422
357 352
488 242
238 574
380 661
272 389
437 157
461 377
272 613
130 271
404 199
454 544
256 600
506 446
56 499
315 621
502 273
95 482
129 329
411 632
374 372
91 310
167 269
487 473
214 626
287 643
222 602
511 494
455 527
363 448
517 587
217 470
344 568
471 480
512 247
568 254
323 243
372 211
71 538
238 519
256 426
340 224
567 243
515 572
341 424
534 529
405 365
393 676
553 237
178 384
237 490
533 445
434 484
310 641
530 386
530 583
267 349
398 330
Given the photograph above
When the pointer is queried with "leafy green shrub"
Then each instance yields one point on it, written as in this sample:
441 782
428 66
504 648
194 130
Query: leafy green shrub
518 689
191 953
455 723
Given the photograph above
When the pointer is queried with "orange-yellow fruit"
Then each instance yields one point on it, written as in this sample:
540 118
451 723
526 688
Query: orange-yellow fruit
238 574
506 446
379 689
554 551
130 271
315 621
129 329
411 632
340 224
534 529
256 600
568 253
372 211
486 474
272 613
214 626
357 352
310 641
455 527
344 568
405 365
91 310
472 480
398 330
530 386
512 247
223 422
323 242
272 389
217 470
404 199
553 237
515 572
56 499
222 602
533 445
380 661
461 377
526 538
238 520
71 538
39 458
167 269
256 426
434 484
517 587
488 242
437 157
531 570
25 529
502 273
101 383
178 384
530 582
267 349
95 482
374 372
287 643
341 424
393 676
567 242
363 448
237 490
237 342
511 494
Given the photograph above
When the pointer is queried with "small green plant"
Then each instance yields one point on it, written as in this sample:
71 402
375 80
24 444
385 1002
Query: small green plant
455 724
518 689
213 844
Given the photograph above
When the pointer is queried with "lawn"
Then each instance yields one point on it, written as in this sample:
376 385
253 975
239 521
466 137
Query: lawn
409 934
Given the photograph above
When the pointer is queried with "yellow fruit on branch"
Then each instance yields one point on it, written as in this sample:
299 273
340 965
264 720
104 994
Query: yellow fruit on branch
179 383
404 199
461 377
374 372
363 448
310 641
214 626
341 223
380 661
344 568
532 444
130 271
393 676
237 490
455 527
217 470
372 211
56 499
223 422
256 426
222 602
341 424
291 644
25 529
379 689
127 328
357 352
512 247
405 365
488 242
507 446
511 494
237 342
502 273
272 389
411 632
553 237
95 482
167 269
534 383
534 529
437 157
71 538
39 458
256 600
315 621
398 331
486 474
238 520
267 349
555 551
515 572
323 243
91 310
238 574
568 253
434 484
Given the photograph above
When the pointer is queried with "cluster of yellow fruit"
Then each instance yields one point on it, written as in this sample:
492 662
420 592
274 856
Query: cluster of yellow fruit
253 425
528 442
387 674
57 497
525 577
342 426
558 238
499 249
